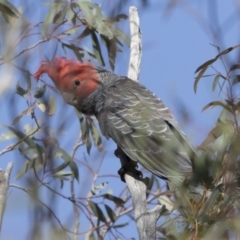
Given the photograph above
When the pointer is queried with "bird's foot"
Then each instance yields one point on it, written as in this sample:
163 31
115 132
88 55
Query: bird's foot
128 165
123 170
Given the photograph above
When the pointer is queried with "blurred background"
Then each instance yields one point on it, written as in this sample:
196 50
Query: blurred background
62 184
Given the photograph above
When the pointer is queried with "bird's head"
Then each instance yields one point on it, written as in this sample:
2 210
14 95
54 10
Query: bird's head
75 80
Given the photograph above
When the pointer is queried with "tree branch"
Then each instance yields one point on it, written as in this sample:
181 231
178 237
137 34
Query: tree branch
145 218
4 182
136 45
75 207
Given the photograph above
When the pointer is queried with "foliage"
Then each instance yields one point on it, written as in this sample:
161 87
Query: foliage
49 171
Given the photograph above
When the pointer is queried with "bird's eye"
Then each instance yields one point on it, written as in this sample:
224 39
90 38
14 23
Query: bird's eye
77 82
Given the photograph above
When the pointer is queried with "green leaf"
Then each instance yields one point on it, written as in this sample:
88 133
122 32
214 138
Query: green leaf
120 225
85 33
89 52
97 49
8 9
217 103
110 213
52 105
70 31
119 33
59 17
77 50
218 137
70 13
60 167
26 167
227 50
97 211
33 151
91 237
118 201
199 77
96 137
25 112
112 50
20 90
98 13
215 82
34 163
88 143
85 131
86 8
236 80
40 92
63 174
117 18
207 75
150 185
234 67
7 136
206 64
56 6
67 158
42 106
104 30
74 15
212 199
28 80
21 136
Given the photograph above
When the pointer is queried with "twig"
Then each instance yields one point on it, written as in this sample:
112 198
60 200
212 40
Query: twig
4 183
49 209
24 50
12 146
75 208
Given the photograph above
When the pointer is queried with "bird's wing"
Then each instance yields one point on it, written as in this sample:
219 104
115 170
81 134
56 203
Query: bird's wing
144 128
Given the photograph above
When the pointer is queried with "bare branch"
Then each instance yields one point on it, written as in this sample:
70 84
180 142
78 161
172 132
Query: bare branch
49 209
75 208
136 45
4 183
145 219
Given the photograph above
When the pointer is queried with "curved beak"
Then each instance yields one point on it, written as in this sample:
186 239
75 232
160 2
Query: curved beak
69 98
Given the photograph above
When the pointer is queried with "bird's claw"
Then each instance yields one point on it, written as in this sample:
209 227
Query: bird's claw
128 165
121 173
123 170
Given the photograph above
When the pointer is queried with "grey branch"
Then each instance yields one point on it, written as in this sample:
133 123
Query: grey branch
145 219
4 182
136 44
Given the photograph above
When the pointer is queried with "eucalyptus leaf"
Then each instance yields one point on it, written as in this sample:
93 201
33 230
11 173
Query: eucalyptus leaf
56 6
97 211
215 81
110 213
20 90
118 201
68 159
9 9
52 105
40 92
25 112
199 77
